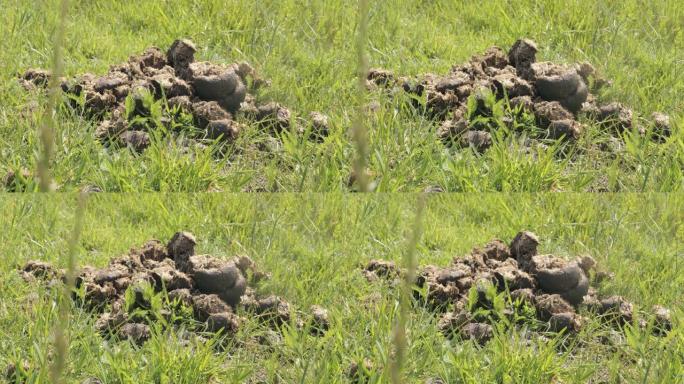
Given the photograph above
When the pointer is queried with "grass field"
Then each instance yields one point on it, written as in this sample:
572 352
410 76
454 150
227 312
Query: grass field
313 245
307 50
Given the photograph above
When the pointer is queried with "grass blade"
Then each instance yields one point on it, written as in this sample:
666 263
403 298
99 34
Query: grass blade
47 126
399 340
62 324
359 133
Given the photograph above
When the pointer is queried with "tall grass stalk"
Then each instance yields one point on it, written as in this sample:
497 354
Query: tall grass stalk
62 323
399 339
48 123
359 134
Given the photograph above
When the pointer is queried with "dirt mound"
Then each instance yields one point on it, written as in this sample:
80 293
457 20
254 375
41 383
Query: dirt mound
169 91
166 283
499 280
553 97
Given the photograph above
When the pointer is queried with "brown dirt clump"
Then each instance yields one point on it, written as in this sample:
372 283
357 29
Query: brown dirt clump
214 291
320 320
212 276
320 126
135 332
556 96
36 269
524 246
617 309
376 269
17 373
662 127
663 320
479 332
548 305
223 322
569 321
274 310
360 372
556 275
16 181
212 95
463 292
480 141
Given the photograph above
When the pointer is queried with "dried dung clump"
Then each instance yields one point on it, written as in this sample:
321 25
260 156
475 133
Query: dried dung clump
465 292
166 283
171 90
553 97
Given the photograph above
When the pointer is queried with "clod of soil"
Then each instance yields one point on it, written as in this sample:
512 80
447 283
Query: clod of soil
320 127
555 288
479 332
137 141
616 116
661 125
274 116
453 320
14 180
212 96
180 55
478 140
135 332
35 269
92 380
205 305
180 248
565 321
14 373
274 310
36 77
548 305
559 129
616 308
213 290
227 130
524 246
379 77
223 322
381 269
218 277
361 372
556 275
320 322
207 111
522 55
556 96
213 82
562 84
663 320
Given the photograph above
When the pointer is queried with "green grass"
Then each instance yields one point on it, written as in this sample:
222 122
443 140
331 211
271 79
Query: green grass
313 246
307 50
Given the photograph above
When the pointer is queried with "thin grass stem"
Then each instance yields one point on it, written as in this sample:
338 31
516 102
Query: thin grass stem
61 326
399 339
48 122
359 132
